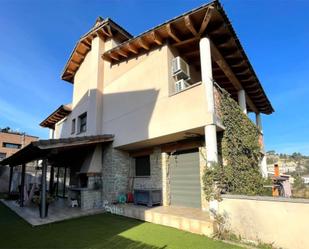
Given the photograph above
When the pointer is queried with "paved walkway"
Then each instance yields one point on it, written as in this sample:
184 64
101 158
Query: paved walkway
188 219
57 211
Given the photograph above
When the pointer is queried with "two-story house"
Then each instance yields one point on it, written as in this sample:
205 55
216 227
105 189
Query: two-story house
156 94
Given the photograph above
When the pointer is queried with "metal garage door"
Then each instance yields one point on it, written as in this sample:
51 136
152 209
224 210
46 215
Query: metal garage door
185 179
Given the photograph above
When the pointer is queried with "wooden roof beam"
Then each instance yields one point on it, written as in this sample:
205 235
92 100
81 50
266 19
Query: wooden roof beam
107 31
143 43
132 48
75 63
185 42
171 32
218 58
70 72
122 53
156 37
86 45
87 41
190 25
101 34
206 19
80 54
114 56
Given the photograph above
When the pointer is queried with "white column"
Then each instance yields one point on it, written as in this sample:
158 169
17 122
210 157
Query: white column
258 121
210 129
263 164
242 100
51 133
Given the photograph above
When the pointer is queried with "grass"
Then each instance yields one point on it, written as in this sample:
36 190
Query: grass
98 231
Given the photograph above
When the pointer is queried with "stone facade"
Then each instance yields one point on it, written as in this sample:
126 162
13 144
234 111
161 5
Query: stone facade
118 175
91 199
155 179
165 179
115 173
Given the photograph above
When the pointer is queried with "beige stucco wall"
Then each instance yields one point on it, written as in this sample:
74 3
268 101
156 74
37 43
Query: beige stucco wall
133 99
87 94
284 223
137 100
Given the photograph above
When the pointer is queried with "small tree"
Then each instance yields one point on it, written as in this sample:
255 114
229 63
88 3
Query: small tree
298 182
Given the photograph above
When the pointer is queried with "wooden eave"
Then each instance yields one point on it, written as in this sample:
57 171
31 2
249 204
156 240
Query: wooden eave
56 116
184 33
55 149
107 29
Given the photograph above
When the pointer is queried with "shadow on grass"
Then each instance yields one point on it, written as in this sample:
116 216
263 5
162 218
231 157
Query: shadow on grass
98 231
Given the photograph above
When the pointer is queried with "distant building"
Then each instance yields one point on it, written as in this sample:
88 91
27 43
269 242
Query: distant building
306 179
11 142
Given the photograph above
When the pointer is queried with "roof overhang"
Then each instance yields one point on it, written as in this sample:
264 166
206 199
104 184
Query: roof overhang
105 29
56 116
184 33
51 148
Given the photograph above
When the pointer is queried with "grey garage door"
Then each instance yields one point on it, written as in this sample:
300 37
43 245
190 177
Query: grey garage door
185 179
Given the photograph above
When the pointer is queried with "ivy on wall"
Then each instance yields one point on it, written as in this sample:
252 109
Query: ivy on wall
239 171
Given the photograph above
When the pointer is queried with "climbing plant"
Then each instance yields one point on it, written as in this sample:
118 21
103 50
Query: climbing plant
238 172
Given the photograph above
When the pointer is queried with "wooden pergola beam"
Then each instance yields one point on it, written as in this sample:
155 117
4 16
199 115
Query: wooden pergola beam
156 37
206 19
189 24
171 32
219 59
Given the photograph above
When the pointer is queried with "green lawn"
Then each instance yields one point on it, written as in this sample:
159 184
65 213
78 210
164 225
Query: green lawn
98 231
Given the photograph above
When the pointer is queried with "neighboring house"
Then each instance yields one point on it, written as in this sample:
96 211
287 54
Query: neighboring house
156 94
10 143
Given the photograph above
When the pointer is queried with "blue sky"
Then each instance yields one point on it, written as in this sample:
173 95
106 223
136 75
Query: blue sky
38 36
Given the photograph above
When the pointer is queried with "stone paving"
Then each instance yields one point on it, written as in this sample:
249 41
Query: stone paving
188 219
57 211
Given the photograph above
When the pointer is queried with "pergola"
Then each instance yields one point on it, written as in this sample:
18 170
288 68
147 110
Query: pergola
52 152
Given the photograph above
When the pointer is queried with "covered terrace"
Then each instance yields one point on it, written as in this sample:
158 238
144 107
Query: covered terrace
55 153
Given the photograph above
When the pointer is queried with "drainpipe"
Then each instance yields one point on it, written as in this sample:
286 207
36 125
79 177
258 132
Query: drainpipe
210 128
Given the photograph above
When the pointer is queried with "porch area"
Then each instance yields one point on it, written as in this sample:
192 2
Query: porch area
192 220
59 210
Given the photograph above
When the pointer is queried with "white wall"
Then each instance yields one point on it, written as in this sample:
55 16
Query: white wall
269 220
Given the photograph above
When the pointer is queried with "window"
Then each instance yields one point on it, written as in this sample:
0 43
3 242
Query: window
82 122
11 145
2 155
142 166
73 126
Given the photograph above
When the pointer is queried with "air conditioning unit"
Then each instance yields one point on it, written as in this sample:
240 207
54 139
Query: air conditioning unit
181 85
180 69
